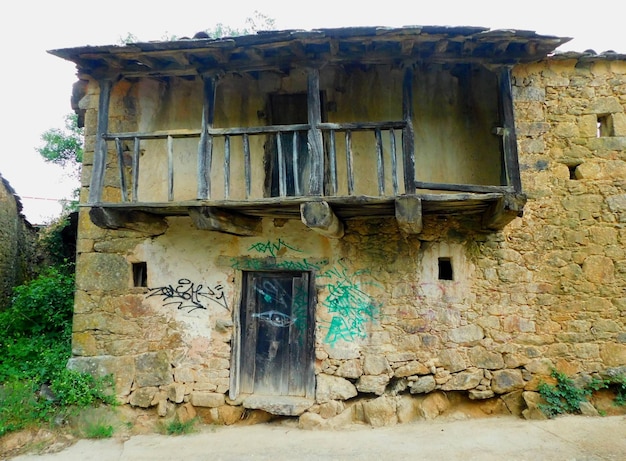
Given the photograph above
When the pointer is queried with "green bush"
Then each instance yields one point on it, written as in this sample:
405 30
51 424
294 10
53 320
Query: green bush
35 344
41 307
562 397
73 388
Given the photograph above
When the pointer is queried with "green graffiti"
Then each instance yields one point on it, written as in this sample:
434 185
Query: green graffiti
271 248
352 308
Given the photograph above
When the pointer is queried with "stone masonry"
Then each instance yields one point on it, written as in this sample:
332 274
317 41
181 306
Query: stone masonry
394 341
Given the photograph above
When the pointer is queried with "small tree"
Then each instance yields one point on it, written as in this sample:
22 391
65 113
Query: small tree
64 147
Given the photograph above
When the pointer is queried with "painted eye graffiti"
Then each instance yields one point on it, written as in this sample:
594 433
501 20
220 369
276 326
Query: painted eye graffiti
275 318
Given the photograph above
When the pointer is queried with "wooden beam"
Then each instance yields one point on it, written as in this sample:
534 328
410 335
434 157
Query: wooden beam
319 216
509 139
409 214
503 211
205 147
100 150
408 134
147 223
315 135
228 222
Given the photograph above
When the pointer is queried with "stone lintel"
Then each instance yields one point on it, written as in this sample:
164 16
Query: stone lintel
215 219
319 216
141 221
503 211
409 213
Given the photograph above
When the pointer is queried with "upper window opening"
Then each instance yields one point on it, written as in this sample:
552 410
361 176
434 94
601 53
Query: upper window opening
140 274
445 269
605 126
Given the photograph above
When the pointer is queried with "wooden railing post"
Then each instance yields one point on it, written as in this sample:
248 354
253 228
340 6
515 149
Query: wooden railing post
205 147
100 149
408 134
509 139
316 185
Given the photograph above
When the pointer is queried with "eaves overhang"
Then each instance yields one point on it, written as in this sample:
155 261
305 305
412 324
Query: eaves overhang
287 49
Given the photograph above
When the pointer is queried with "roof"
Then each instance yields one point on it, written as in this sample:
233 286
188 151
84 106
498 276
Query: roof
286 49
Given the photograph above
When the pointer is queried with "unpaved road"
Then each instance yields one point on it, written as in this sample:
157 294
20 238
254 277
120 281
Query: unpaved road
571 438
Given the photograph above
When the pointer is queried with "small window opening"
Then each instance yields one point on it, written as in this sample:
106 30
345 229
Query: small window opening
445 269
605 126
140 274
572 171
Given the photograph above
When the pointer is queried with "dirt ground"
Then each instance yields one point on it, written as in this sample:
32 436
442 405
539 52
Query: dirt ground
571 438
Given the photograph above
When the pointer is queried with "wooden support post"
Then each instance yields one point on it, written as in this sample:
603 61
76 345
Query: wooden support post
409 214
141 221
100 149
319 216
215 219
315 138
408 134
205 147
509 139
503 211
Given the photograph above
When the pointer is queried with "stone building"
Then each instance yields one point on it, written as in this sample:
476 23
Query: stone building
345 224
16 240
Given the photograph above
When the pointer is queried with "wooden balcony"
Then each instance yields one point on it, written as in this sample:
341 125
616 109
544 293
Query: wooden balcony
323 199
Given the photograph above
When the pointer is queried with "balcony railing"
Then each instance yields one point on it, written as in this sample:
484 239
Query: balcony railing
338 173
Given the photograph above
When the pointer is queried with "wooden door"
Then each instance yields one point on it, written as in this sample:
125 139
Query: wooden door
276 340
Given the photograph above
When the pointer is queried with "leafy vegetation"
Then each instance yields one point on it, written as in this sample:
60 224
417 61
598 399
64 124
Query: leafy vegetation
565 396
562 397
35 344
64 147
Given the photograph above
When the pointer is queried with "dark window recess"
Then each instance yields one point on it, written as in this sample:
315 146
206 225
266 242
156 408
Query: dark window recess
288 168
140 274
605 126
572 171
445 269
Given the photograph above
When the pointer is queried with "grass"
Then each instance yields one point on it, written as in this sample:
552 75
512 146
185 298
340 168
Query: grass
178 427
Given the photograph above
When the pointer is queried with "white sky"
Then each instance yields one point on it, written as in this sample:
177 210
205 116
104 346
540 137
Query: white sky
35 86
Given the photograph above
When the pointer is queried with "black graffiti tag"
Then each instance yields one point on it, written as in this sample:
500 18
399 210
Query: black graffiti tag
188 295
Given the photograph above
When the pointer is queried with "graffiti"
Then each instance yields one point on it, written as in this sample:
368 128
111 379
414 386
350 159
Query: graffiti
188 295
275 294
275 318
272 248
351 307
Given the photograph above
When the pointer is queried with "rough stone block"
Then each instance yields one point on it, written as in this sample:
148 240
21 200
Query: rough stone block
143 397
375 364
434 405
153 369
333 388
482 358
372 384
463 380
102 271
410 369
380 412
504 381
207 399
350 369
423 385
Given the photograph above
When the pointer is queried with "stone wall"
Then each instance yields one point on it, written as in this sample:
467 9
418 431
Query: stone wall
16 237
394 338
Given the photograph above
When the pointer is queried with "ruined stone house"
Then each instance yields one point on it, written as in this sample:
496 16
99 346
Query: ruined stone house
17 236
340 223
